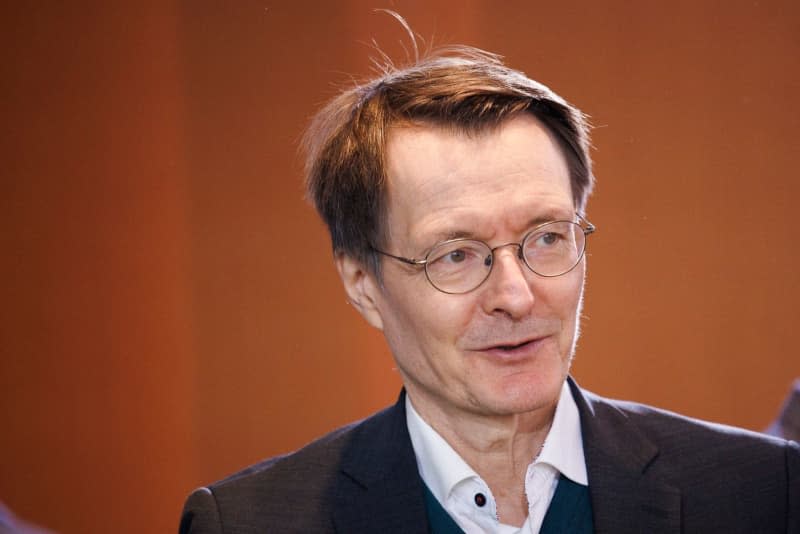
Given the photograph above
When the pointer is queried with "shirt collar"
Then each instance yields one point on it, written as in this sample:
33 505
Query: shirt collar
563 446
441 467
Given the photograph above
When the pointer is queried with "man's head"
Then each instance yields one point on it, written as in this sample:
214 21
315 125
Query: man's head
459 147
461 89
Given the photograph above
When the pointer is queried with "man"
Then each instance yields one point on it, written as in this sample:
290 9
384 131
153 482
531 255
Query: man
454 191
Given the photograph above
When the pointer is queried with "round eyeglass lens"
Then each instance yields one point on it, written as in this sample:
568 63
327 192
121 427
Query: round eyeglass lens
458 266
554 248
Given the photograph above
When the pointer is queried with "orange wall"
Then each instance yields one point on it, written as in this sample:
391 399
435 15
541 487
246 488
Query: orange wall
170 308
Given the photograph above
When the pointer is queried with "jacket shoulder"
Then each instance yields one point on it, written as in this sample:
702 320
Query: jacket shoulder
292 492
660 469
315 459
725 475
673 432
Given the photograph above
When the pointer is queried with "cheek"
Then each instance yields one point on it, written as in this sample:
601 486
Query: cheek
562 297
440 322
572 300
424 320
571 285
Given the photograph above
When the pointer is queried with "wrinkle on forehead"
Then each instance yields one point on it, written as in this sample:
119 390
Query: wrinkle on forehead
438 177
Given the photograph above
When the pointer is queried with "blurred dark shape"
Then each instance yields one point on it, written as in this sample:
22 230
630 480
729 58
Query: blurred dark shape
787 424
10 524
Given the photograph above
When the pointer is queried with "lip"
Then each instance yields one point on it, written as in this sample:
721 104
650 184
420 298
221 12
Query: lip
512 351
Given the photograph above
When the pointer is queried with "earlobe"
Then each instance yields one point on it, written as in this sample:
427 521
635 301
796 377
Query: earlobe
361 288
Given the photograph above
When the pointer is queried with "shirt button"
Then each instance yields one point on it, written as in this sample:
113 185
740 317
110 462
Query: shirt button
480 499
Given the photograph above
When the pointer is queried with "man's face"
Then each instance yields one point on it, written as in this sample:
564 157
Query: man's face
504 348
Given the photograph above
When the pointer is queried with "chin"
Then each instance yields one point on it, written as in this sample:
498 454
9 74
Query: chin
523 393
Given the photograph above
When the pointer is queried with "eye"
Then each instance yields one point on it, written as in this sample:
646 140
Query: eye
458 265
454 256
552 238
457 254
548 239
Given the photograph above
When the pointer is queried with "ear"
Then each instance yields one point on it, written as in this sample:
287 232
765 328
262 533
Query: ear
361 287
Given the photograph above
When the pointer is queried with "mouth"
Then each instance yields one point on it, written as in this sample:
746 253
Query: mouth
514 349
514 346
508 344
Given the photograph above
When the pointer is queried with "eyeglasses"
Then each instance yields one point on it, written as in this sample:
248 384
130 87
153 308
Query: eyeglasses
461 265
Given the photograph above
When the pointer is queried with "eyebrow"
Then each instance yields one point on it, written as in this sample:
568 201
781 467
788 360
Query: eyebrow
542 218
550 216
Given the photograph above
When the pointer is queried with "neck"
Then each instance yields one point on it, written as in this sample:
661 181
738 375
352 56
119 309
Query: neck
498 447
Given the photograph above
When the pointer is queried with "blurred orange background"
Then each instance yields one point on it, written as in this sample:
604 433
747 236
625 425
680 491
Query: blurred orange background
170 308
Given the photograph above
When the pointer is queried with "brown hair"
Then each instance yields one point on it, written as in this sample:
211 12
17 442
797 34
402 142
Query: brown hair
462 88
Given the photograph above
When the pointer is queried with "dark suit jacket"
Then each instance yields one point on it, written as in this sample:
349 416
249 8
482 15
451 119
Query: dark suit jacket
650 471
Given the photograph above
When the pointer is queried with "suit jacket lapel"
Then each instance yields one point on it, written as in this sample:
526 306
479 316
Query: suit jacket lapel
625 496
379 488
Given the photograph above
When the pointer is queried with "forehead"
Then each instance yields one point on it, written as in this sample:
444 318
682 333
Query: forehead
444 184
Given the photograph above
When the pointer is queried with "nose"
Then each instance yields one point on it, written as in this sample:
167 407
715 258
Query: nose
508 290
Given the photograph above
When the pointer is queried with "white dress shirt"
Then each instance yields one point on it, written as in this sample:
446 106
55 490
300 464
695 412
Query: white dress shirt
468 499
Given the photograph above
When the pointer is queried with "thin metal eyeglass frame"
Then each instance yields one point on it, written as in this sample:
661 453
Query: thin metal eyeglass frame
582 223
